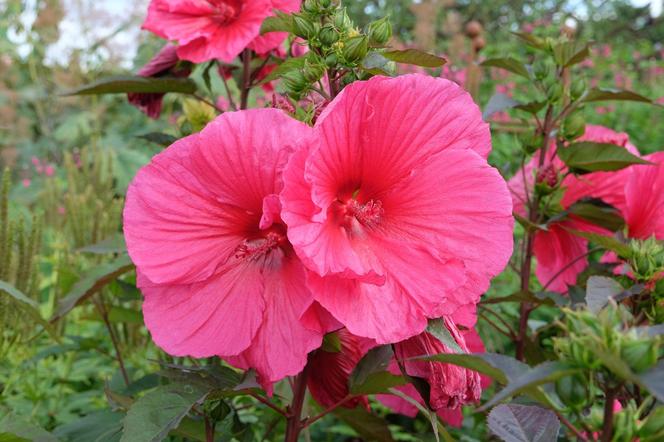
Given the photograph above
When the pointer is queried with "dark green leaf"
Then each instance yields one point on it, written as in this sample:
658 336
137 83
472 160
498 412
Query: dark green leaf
92 282
28 305
653 381
17 295
331 343
112 244
599 94
154 415
437 328
598 213
9 437
15 426
415 57
159 138
522 296
497 103
509 64
128 84
288 65
499 367
100 426
278 23
531 40
379 382
541 374
587 156
367 425
522 423
599 290
527 224
533 107
371 375
376 64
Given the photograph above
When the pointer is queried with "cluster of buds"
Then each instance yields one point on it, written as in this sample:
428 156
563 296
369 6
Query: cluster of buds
609 333
646 259
474 31
334 41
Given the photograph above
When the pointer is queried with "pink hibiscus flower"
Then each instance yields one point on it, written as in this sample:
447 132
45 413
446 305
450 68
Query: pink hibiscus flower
216 269
559 253
263 44
162 64
451 386
395 209
210 29
644 199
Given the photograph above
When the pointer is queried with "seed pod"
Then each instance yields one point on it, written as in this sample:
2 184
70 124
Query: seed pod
573 391
341 20
328 35
303 27
356 48
380 31
577 88
574 126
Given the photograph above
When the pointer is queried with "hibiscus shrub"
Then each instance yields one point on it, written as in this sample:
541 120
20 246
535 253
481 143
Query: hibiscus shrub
316 243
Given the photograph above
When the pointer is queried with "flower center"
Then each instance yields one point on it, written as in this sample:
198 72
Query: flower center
225 11
368 214
255 248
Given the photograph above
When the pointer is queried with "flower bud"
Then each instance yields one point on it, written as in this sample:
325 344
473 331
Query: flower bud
554 92
647 259
356 48
198 114
639 354
324 3
473 29
541 69
303 27
479 43
530 142
380 31
577 88
342 20
295 82
328 35
312 71
331 60
574 126
310 6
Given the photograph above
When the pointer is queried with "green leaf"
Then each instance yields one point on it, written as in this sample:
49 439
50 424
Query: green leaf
570 53
527 224
367 425
499 367
598 213
509 64
15 429
533 107
497 103
436 327
599 290
99 426
159 138
653 381
127 84
523 423
606 242
154 415
371 376
28 305
587 156
331 343
91 283
541 374
601 94
279 23
9 437
531 40
17 295
290 64
415 57
375 64
522 296
112 244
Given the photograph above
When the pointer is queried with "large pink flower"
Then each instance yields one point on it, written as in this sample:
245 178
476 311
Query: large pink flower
644 194
272 40
211 29
395 209
218 274
450 386
559 253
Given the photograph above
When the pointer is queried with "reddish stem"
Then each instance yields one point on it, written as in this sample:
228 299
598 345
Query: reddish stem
294 423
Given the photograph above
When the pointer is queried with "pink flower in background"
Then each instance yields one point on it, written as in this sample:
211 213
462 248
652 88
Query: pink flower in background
329 370
206 30
450 386
263 44
202 224
26 182
162 64
556 248
395 208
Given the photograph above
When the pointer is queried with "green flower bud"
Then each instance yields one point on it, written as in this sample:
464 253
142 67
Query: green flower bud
380 31
574 126
653 427
541 69
324 3
303 27
295 82
624 424
312 71
554 92
328 35
341 19
356 48
331 60
310 6
640 355
577 88
647 258
530 142
573 391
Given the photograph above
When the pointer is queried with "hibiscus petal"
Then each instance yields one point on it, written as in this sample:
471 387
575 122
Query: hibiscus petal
560 256
218 316
644 211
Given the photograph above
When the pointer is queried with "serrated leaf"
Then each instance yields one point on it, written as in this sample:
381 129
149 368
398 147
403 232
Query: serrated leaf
367 425
91 283
415 57
281 22
606 242
154 415
587 156
531 40
497 103
128 84
541 374
159 138
602 94
523 423
509 64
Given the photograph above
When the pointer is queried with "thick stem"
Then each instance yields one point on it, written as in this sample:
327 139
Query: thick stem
607 425
246 78
294 422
